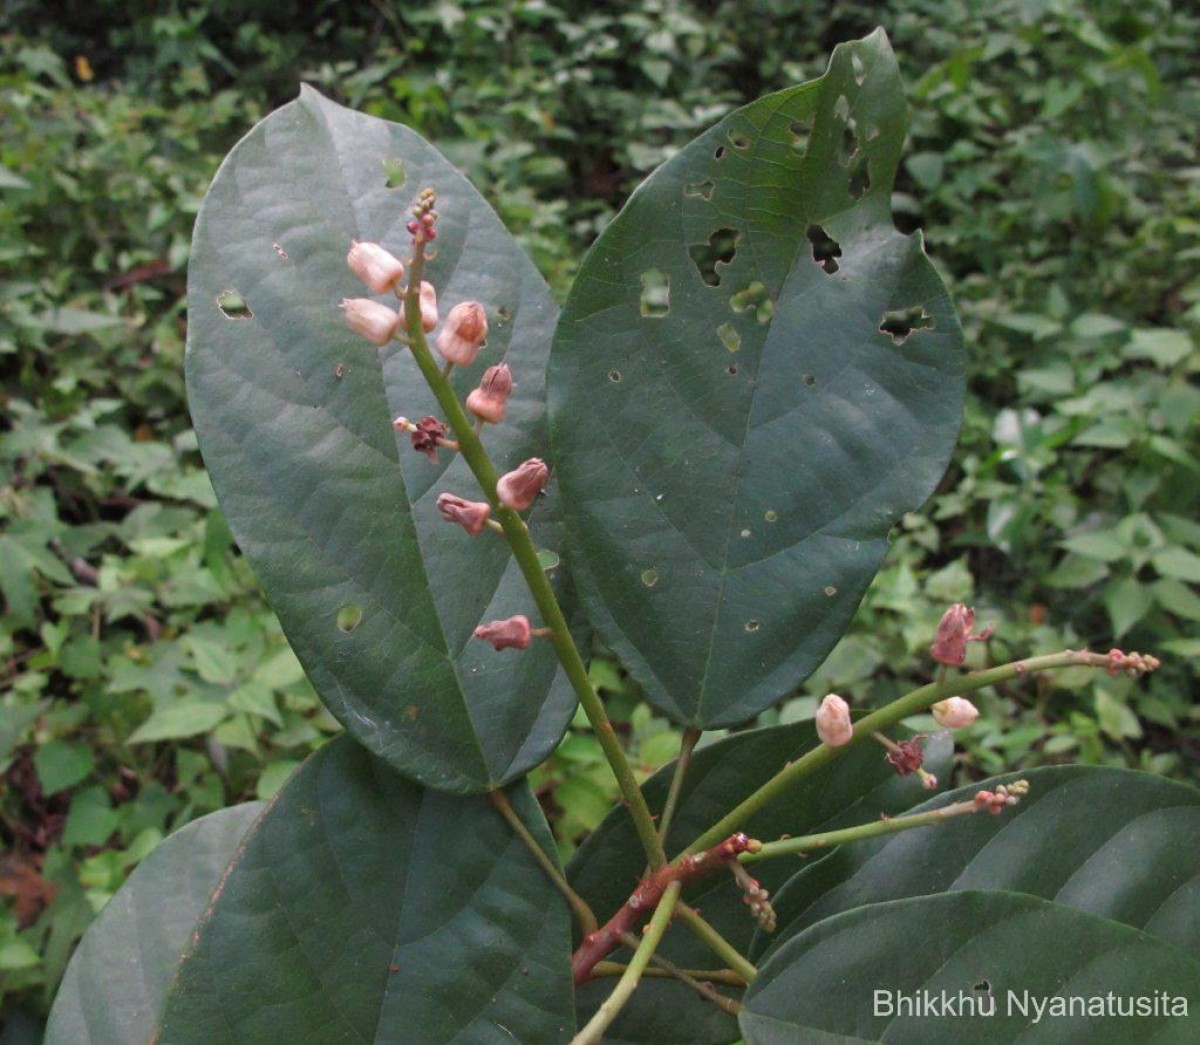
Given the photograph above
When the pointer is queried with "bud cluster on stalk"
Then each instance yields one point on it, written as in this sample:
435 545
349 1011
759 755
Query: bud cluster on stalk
459 341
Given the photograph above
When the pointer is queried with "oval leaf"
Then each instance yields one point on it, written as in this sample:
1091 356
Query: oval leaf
754 377
331 505
1128 865
1003 952
119 974
856 787
364 908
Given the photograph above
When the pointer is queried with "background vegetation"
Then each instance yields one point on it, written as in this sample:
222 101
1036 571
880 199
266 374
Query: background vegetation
144 681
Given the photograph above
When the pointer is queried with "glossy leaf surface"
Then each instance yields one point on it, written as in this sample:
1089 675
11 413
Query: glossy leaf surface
972 945
754 377
1106 841
365 908
119 974
333 507
853 789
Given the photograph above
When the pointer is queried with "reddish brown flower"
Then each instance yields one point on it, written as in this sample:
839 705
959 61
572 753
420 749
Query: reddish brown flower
907 756
425 436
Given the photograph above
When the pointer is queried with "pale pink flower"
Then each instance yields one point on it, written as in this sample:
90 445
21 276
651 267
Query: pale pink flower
489 399
513 633
833 721
953 634
377 267
472 516
464 331
370 319
954 712
519 488
429 308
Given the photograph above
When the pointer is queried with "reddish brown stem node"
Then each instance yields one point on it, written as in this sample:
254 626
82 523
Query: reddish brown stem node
644 899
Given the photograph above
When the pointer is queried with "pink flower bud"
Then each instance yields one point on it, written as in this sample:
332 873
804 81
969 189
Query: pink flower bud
375 266
955 712
833 721
489 399
513 633
519 488
472 516
369 319
953 634
429 308
463 333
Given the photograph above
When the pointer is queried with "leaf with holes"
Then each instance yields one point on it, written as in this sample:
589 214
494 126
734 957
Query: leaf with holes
993 954
754 377
363 907
1126 865
855 788
119 974
333 508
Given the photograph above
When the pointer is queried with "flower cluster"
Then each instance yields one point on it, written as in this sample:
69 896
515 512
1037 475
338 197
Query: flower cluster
755 897
1132 664
995 802
462 336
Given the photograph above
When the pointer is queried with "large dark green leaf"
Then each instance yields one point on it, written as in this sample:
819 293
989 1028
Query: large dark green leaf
735 436
853 789
1116 844
365 908
984 947
335 510
118 976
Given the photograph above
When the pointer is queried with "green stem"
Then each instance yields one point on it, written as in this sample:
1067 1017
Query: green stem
651 938
525 553
579 906
663 969
701 981
909 704
717 943
687 744
826 839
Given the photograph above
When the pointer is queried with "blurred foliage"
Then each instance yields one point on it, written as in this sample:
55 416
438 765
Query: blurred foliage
1051 156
